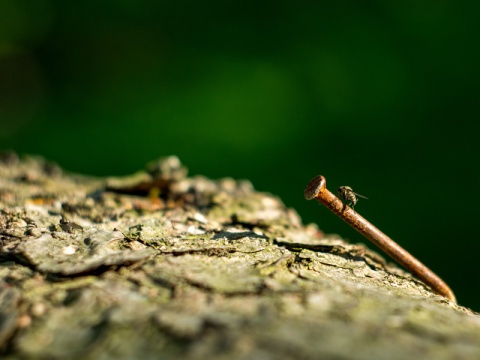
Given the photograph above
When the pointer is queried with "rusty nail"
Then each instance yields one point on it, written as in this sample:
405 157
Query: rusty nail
317 189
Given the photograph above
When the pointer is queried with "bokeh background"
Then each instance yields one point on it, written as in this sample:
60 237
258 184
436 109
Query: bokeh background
381 96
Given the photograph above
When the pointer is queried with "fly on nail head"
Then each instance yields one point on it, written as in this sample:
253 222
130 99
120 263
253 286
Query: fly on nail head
317 189
349 196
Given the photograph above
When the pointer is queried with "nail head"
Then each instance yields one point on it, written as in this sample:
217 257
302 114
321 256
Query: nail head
314 187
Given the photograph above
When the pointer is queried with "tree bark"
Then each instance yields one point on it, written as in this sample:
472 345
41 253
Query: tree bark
160 265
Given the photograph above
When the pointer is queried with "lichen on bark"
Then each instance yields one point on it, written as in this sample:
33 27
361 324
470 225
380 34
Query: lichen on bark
161 265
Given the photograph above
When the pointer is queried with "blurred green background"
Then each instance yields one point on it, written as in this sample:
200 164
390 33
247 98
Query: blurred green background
381 96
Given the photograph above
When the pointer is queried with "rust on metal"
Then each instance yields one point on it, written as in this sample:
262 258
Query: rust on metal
317 189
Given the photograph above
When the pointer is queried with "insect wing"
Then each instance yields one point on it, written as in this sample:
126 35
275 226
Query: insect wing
364 197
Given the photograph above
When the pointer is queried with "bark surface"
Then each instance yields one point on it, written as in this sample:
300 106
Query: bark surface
160 265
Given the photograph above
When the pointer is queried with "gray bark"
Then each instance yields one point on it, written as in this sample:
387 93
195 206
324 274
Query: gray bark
159 265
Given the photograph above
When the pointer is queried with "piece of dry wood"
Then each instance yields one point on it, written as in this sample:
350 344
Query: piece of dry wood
159 265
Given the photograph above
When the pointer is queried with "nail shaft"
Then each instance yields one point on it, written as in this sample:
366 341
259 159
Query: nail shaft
316 189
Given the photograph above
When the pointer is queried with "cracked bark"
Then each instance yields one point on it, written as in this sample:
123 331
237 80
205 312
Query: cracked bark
161 265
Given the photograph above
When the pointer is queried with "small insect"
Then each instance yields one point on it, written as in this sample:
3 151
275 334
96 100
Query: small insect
349 196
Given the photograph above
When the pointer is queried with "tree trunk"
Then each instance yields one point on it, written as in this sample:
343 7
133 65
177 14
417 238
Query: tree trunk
159 265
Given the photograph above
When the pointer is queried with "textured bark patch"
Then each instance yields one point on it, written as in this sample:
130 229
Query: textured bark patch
161 265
